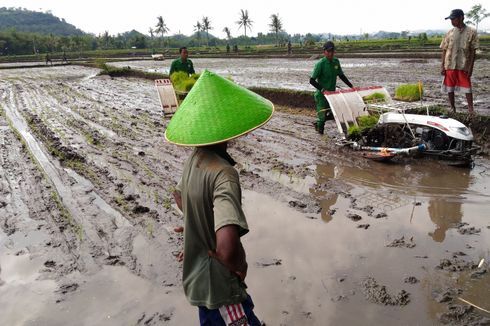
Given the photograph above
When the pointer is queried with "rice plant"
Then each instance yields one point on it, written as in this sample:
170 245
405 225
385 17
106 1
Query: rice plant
374 98
409 92
182 81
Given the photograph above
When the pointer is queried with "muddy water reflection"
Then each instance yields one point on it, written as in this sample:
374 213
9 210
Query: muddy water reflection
445 189
323 264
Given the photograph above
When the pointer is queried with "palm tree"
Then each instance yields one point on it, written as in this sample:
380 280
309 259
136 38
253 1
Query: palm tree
206 26
276 26
198 29
161 27
105 38
151 31
244 21
228 33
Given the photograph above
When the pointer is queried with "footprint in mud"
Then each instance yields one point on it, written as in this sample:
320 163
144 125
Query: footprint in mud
411 280
268 262
377 293
354 217
467 230
401 243
456 265
462 315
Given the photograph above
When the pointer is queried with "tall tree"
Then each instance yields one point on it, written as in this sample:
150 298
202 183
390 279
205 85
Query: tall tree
476 15
276 26
206 26
228 33
161 27
151 31
198 29
105 38
244 21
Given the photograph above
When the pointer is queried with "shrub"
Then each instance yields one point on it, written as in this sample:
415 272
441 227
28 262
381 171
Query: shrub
408 92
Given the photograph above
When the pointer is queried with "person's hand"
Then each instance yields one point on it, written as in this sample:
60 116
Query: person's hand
241 275
180 256
179 229
443 71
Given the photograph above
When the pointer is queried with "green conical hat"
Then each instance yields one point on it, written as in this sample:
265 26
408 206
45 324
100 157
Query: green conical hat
216 110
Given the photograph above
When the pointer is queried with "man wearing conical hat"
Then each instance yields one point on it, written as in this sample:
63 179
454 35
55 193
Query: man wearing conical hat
215 111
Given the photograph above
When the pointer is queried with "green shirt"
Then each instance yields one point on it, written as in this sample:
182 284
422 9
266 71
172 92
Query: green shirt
326 72
211 199
178 65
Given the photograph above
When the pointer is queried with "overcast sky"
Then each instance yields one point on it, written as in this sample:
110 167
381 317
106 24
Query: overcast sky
336 17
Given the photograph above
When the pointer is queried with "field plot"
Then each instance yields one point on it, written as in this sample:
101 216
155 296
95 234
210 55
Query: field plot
86 217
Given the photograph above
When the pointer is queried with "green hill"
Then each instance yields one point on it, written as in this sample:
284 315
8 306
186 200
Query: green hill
36 22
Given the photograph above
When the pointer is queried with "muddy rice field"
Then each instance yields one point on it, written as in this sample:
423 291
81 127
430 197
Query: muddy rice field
86 215
294 74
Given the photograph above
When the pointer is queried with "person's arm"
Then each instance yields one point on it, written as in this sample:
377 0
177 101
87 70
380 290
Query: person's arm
229 250
178 198
315 84
345 80
443 62
471 62
192 71
172 69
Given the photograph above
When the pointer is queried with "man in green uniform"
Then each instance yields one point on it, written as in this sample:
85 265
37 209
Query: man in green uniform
209 195
324 78
183 63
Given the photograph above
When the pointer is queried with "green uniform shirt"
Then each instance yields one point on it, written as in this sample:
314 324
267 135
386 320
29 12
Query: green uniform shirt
178 65
326 72
211 199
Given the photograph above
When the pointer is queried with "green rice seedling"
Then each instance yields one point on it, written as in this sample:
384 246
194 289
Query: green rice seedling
354 132
188 84
178 78
374 98
367 121
409 92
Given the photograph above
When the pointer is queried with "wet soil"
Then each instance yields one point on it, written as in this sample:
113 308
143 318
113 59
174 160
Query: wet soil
294 74
86 216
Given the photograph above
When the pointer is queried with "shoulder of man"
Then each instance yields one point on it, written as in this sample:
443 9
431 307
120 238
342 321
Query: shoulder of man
227 173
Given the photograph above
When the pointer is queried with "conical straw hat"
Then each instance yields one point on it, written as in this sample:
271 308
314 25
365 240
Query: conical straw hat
216 110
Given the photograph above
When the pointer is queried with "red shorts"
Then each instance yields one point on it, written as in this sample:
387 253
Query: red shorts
456 81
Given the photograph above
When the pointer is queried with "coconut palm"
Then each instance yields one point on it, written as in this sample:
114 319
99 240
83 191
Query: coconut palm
244 21
476 15
198 29
227 32
276 26
161 27
206 26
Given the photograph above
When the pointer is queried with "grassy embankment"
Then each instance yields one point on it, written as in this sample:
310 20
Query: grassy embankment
413 48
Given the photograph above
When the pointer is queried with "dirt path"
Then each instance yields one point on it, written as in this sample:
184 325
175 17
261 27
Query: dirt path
104 248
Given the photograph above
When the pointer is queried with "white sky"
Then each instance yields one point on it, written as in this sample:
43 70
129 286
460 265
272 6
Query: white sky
336 17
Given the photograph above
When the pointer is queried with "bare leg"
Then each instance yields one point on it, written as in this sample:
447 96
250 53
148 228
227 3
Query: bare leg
451 101
469 99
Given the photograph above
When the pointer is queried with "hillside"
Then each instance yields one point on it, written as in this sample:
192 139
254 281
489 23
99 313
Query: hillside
32 21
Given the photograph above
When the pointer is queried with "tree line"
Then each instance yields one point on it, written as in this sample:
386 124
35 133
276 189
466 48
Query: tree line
14 42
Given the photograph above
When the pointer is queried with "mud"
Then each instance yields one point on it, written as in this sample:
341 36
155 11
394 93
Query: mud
294 74
86 215
377 293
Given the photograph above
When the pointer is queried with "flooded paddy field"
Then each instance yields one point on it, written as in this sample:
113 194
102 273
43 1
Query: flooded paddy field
86 217
294 74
